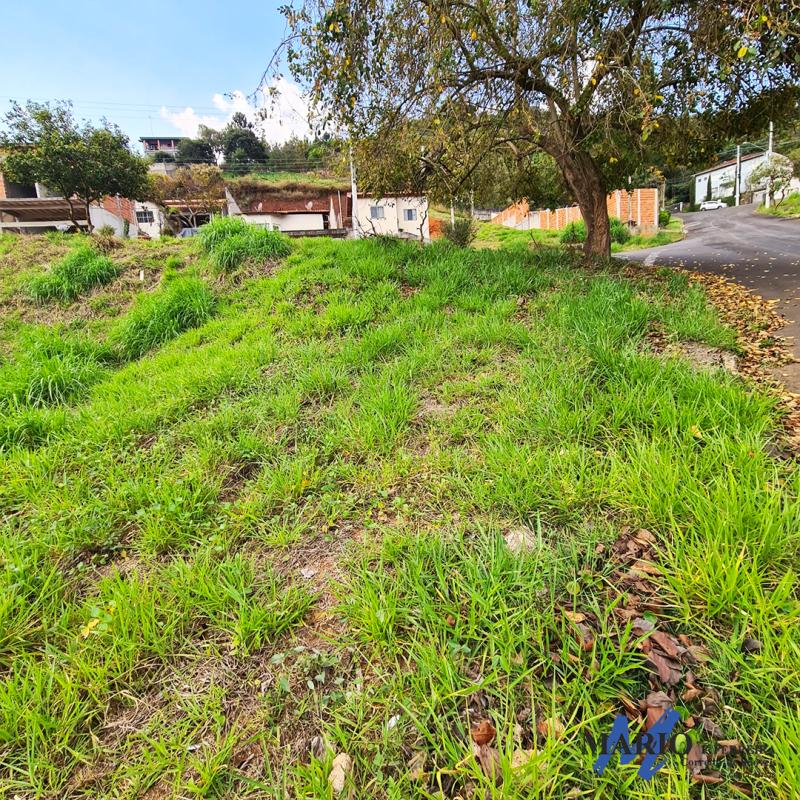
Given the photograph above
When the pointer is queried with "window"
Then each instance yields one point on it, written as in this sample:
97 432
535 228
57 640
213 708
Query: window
410 214
143 217
377 212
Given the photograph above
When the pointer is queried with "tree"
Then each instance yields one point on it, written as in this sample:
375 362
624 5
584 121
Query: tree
241 147
195 190
195 151
587 82
163 157
708 188
772 175
83 163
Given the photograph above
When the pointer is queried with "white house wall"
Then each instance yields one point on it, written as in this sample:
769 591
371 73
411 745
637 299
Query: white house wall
393 222
723 180
100 217
287 222
152 229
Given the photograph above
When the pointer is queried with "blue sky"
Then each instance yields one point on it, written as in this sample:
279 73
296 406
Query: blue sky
142 63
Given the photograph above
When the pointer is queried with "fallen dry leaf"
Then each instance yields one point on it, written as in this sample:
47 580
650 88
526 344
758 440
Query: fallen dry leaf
667 643
483 733
521 757
691 694
668 671
489 759
711 727
340 768
416 765
574 616
696 759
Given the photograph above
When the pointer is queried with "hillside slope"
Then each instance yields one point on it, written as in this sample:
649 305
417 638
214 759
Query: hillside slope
359 500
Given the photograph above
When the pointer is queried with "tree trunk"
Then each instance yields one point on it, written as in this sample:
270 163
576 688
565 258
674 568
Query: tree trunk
72 214
89 226
585 181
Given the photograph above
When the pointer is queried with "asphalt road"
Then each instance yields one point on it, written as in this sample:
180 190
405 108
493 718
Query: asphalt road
762 253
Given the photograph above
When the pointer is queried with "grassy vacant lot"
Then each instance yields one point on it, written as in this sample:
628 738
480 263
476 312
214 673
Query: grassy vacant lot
255 516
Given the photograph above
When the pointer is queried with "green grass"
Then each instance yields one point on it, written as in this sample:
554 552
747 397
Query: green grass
288 522
82 269
180 304
315 179
672 233
790 207
230 243
493 236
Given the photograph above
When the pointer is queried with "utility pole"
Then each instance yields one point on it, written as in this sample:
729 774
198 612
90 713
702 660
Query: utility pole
354 193
738 171
769 161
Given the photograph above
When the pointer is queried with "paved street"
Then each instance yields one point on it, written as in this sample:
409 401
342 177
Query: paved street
762 253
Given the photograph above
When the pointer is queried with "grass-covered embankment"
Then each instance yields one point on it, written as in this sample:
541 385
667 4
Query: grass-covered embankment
281 535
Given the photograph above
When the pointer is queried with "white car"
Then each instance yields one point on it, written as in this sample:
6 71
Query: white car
712 205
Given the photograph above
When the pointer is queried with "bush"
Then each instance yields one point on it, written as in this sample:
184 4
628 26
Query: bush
155 318
620 232
574 233
461 233
663 218
78 271
51 370
103 239
253 246
220 228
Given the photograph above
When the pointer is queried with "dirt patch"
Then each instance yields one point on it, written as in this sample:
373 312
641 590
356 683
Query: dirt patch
236 478
701 356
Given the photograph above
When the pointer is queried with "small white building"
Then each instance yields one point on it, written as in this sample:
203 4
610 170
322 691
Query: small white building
405 216
722 178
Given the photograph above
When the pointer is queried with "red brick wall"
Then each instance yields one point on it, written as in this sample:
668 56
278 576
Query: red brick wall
640 206
515 213
436 227
124 209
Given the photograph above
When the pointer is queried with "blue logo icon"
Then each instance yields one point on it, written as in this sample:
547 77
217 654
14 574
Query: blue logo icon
653 744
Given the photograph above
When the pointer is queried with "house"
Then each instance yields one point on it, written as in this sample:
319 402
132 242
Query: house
721 178
401 215
160 144
32 208
294 208
326 209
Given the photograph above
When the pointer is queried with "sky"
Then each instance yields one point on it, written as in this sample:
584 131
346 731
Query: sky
153 68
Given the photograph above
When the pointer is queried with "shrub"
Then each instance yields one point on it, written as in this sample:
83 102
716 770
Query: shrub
663 218
254 245
155 318
220 228
620 232
574 233
461 233
103 239
80 270
51 370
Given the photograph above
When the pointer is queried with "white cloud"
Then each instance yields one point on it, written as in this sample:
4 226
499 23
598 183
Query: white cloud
277 117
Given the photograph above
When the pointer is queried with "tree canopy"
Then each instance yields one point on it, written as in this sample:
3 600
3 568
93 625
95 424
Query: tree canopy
587 82
195 151
192 191
45 144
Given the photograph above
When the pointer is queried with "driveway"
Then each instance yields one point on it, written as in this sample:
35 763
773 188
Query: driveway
762 253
